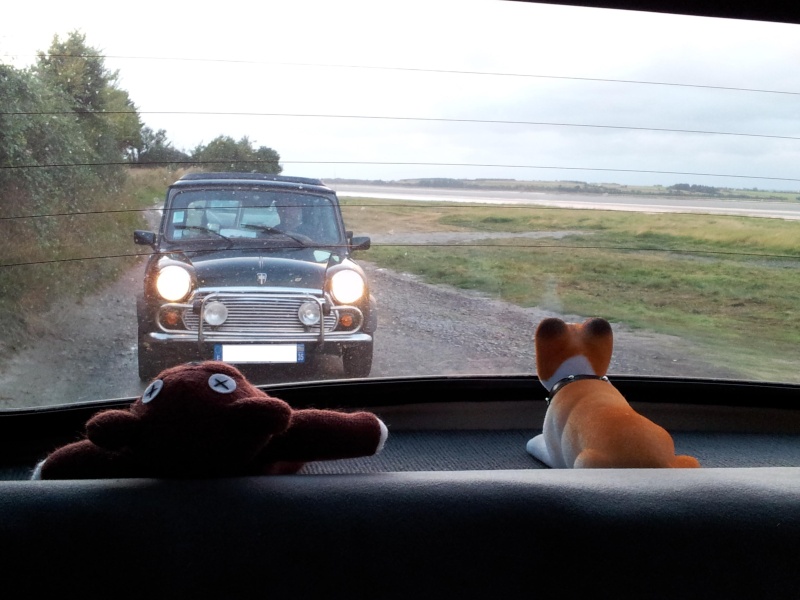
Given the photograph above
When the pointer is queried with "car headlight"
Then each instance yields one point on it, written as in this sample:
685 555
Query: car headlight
215 313
309 313
347 286
173 283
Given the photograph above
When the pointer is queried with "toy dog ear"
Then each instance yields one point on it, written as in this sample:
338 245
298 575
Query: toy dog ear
597 328
550 328
598 339
553 344
112 429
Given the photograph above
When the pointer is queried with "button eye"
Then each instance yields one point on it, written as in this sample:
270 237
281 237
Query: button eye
152 391
221 383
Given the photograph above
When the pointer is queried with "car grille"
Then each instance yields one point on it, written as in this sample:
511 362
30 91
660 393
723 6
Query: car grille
259 314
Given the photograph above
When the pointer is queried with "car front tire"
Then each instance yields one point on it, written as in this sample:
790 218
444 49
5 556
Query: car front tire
357 360
151 363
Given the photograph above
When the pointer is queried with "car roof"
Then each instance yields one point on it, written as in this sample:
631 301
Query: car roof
250 178
227 175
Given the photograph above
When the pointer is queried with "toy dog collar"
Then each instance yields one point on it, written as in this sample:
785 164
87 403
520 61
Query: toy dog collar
567 380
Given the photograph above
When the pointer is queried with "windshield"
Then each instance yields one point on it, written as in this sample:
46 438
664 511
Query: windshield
532 161
211 214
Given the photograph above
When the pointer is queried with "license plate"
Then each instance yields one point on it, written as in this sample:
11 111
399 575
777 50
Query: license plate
260 353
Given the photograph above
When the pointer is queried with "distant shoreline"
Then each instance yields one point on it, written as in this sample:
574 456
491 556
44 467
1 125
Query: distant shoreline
577 187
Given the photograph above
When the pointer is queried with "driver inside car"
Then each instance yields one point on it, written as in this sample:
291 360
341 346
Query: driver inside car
293 218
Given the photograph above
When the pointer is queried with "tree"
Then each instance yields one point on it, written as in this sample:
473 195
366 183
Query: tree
155 148
694 188
43 133
109 118
268 156
223 153
77 69
122 121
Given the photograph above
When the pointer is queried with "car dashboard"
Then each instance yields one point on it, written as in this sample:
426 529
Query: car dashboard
452 506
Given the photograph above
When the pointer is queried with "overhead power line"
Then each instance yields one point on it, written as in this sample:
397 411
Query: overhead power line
400 118
440 245
401 164
422 70
359 203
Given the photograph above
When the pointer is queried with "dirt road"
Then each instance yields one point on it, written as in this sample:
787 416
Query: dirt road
87 350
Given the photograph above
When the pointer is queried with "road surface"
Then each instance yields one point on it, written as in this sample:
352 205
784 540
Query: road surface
88 351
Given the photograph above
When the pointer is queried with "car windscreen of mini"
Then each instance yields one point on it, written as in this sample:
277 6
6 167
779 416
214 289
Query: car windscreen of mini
212 214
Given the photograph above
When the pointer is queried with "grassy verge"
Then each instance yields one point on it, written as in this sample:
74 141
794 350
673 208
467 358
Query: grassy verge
82 252
730 284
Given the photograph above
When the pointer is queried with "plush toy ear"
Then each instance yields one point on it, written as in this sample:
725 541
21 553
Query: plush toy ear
112 429
553 344
598 341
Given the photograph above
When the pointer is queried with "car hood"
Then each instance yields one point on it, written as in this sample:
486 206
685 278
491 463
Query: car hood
290 268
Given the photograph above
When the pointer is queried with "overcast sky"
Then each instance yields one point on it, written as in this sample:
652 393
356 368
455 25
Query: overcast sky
433 72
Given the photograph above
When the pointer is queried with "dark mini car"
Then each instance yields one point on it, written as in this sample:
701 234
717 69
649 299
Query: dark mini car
253 269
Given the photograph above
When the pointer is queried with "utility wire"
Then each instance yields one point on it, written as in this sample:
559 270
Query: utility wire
397 118
433 245
423 205
421 70
392 163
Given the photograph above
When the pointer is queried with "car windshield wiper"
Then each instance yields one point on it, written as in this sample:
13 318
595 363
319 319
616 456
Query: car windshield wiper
206 230
305 241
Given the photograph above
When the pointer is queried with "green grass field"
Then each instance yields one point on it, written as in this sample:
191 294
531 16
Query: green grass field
730 284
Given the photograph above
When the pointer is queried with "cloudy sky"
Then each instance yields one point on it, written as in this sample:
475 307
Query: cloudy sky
457 88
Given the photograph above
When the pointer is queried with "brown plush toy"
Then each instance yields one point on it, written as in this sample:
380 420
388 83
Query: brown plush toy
207 420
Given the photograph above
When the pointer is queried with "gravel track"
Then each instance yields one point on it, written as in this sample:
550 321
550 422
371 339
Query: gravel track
87 349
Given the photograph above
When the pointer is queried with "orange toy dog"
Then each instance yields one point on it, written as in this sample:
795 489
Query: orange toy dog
588 423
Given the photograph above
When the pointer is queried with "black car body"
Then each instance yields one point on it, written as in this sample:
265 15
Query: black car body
232 278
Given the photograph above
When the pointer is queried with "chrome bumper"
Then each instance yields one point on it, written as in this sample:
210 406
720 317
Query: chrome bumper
259 317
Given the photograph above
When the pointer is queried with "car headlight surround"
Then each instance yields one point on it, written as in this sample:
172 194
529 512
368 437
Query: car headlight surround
347 286
173 283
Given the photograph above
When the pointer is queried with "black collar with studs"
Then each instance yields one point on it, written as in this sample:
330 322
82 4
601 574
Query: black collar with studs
567 380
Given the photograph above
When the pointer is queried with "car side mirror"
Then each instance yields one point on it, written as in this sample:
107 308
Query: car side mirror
144 238
360 243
